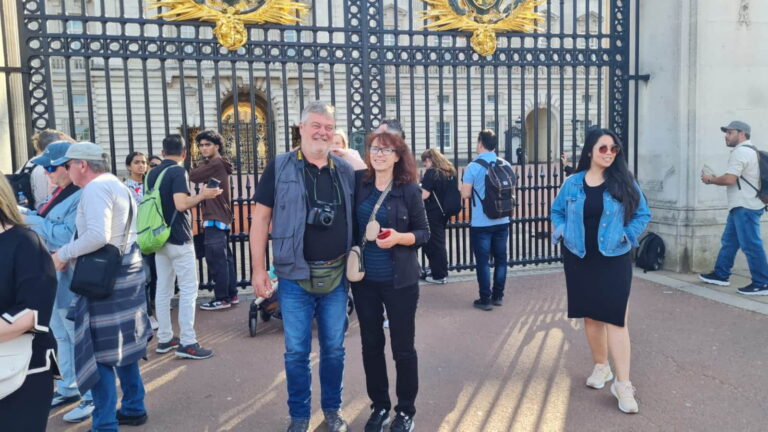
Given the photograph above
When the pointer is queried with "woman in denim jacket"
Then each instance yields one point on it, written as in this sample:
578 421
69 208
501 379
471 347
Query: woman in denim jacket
599 214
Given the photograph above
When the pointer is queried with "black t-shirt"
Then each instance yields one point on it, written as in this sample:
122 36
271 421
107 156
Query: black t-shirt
174 181
322 185
436 184
593 211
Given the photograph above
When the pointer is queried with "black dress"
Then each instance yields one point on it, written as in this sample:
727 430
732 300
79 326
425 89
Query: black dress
28 285
598 286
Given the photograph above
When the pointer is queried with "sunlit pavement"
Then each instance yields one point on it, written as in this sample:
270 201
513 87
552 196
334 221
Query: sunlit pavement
698 365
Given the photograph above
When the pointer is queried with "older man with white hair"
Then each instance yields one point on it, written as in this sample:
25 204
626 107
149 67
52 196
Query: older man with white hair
111 334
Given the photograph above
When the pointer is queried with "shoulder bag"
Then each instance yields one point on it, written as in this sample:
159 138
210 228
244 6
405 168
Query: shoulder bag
15 356
96 273
355 264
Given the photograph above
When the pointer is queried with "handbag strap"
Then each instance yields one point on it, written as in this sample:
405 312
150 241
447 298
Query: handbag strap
376 208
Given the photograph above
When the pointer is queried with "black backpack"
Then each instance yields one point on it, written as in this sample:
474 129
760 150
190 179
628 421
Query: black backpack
650 254
21 182
500 182
762 184
450 201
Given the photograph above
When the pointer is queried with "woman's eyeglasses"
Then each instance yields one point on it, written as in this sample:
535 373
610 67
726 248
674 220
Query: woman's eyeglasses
603 149
153 164
51 169
384 151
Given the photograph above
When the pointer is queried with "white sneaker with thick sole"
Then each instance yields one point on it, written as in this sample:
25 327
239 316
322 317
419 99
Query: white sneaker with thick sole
625 394
601 374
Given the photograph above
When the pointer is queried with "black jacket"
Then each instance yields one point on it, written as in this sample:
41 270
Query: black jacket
406 214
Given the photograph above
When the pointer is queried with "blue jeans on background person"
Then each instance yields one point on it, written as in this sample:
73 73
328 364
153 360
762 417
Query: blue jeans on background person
299 308
64 333
742 231
105 395
486 242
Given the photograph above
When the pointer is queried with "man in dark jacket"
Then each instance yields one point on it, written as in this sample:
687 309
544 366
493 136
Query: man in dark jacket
217 219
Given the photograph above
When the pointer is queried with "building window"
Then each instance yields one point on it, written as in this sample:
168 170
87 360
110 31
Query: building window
444 99
391 101
491 124
490 98
74 27
389 38
586 98
443 134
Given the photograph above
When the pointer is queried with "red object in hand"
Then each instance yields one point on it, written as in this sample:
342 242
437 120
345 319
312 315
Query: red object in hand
384 234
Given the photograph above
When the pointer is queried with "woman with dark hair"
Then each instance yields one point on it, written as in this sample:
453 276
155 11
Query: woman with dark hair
154 161
387 190
599 214
439 178
27 292
136 163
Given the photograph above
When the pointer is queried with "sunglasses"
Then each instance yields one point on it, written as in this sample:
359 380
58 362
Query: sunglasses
603 149
153 164
51 168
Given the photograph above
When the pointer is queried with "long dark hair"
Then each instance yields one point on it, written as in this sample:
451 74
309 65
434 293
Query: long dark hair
619 180
404 172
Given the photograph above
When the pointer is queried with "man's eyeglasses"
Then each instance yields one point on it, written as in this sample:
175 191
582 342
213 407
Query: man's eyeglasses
603 149
153 164
51 168
384 151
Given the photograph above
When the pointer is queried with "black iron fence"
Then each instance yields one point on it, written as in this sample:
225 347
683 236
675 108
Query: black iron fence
107 71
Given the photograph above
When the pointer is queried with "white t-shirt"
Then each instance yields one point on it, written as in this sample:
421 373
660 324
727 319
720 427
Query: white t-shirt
743 163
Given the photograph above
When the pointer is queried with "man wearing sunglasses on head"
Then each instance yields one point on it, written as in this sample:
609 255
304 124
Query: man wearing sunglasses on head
742 229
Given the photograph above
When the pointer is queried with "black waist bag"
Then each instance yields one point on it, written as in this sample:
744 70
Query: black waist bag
96 273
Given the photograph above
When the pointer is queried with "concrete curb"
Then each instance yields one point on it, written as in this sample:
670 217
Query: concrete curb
731 300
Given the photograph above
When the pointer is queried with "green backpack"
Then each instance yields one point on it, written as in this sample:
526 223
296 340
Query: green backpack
152 231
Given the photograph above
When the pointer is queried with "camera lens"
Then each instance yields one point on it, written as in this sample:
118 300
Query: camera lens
326 219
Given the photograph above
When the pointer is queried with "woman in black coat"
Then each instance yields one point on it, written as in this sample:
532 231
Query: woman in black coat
27 292
391 274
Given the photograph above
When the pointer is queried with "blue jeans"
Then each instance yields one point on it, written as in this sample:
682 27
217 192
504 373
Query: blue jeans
486 242
105 395
64 333
742 231
299 308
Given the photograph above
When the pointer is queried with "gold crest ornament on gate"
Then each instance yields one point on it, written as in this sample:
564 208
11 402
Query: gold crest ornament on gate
231 16
484 18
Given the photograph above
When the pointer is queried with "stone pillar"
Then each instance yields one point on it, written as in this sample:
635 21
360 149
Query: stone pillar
13 125
706 60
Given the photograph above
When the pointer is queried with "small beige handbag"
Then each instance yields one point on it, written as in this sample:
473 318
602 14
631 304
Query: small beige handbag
355 264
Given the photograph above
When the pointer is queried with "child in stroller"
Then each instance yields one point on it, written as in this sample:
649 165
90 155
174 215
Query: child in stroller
268 308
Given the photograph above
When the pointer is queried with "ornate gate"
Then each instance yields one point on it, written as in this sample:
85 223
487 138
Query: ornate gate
108 71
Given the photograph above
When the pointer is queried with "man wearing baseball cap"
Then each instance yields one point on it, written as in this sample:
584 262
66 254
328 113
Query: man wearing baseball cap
742 229
111 334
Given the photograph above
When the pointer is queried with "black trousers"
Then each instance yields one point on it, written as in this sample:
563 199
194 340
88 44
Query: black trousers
151 286
370 300
26 409
435 247
220 262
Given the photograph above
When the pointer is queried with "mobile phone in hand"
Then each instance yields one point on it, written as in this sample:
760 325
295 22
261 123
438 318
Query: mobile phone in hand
384 234
213 183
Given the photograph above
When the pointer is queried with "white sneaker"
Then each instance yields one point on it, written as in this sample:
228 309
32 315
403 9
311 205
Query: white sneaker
625 393
432 280
601 374
81 412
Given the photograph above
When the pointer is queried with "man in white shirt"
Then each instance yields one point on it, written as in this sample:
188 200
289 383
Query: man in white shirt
742 229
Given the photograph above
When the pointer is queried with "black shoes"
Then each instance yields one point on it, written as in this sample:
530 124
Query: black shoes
754 289
483 304
129 420
496 301
378 420
402 423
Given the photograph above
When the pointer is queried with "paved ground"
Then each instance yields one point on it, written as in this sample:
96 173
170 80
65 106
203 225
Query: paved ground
698 365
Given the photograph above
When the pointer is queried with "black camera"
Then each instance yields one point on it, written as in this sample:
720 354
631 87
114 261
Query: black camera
321 216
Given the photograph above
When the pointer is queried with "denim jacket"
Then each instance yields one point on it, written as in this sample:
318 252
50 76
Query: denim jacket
615 237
